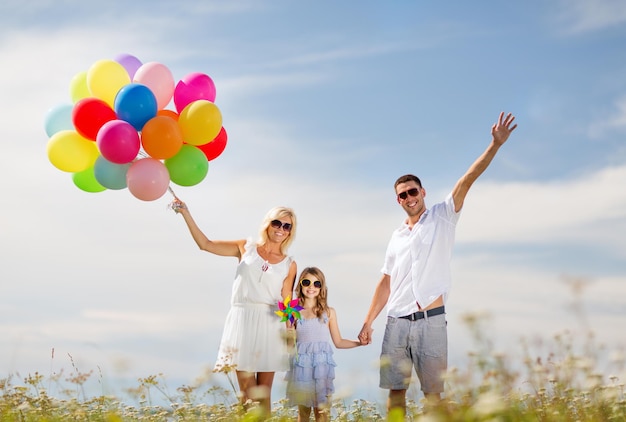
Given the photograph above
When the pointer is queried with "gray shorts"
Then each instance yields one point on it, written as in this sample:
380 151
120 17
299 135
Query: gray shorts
422 344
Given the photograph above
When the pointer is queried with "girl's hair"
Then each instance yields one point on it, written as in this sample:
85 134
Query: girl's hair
322 303
277 213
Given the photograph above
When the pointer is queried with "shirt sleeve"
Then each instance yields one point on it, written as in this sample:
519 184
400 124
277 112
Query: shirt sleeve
390 258
445 210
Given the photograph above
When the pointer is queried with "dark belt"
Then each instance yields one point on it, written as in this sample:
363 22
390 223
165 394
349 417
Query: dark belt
420 315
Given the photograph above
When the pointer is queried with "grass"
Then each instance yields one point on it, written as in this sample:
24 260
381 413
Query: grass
569 378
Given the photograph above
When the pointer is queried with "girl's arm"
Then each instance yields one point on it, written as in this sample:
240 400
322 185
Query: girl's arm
290 335
234 248
338 341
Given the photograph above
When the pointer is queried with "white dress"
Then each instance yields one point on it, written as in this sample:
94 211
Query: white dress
254 338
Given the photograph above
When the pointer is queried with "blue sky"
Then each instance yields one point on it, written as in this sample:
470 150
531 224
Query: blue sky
325 104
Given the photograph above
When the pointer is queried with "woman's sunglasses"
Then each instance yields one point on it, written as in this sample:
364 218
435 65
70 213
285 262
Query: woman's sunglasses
306 283
277 224
411 192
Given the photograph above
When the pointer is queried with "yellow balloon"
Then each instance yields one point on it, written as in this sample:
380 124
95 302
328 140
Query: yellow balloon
200 122
105 78
70 152
78 87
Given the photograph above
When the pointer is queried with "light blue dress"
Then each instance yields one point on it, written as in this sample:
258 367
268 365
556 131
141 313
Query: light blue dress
310 380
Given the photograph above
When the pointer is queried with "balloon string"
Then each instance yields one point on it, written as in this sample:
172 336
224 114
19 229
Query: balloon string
169 188
176 205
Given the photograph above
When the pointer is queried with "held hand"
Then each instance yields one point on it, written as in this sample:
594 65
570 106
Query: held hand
365 336
501 130
290 337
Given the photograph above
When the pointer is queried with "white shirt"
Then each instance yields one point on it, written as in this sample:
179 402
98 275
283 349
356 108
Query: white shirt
418 260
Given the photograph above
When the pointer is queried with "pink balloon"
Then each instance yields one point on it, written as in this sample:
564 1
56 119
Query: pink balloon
129 62
159 79
118 141
195 86
147 179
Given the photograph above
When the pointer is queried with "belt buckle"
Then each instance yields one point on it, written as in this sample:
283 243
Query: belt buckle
416 316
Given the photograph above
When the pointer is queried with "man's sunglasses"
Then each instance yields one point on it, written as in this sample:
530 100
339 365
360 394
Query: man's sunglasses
306 283
277 224
406 193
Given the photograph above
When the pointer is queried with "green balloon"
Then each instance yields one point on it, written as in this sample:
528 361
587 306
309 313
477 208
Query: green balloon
86 180
188 167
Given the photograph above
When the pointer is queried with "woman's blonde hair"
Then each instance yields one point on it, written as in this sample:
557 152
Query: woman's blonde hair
322 302
277 213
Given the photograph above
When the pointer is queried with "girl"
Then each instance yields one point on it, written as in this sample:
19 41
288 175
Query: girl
310 378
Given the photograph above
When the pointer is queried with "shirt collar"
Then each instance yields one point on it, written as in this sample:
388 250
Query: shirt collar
405 225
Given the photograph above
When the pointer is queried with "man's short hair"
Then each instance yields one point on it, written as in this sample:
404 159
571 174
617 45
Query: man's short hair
408 178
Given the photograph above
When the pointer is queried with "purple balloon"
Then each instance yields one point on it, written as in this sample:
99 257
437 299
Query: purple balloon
130 63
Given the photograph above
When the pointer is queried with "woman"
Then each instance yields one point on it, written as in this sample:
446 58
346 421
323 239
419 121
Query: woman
253 342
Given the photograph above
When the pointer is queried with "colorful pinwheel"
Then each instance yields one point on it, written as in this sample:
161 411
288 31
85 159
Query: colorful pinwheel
289 310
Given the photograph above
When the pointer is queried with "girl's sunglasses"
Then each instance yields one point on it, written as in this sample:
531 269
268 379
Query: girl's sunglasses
277 224
306 283
411 192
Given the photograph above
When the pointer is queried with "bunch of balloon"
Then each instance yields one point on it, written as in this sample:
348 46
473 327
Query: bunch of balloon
117 132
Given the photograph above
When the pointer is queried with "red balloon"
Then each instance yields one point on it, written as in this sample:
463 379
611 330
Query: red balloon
89 115
214 149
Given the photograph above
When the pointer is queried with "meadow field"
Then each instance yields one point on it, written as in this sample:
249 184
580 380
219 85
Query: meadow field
566 378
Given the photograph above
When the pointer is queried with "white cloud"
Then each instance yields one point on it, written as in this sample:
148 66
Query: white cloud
585 209
580 16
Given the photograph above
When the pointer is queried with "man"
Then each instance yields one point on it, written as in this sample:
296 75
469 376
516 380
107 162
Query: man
416 280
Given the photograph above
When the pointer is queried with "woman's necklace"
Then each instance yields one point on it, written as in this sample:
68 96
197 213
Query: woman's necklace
266 255
265 266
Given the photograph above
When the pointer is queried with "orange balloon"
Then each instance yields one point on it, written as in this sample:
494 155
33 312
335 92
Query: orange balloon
168 113
161 137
